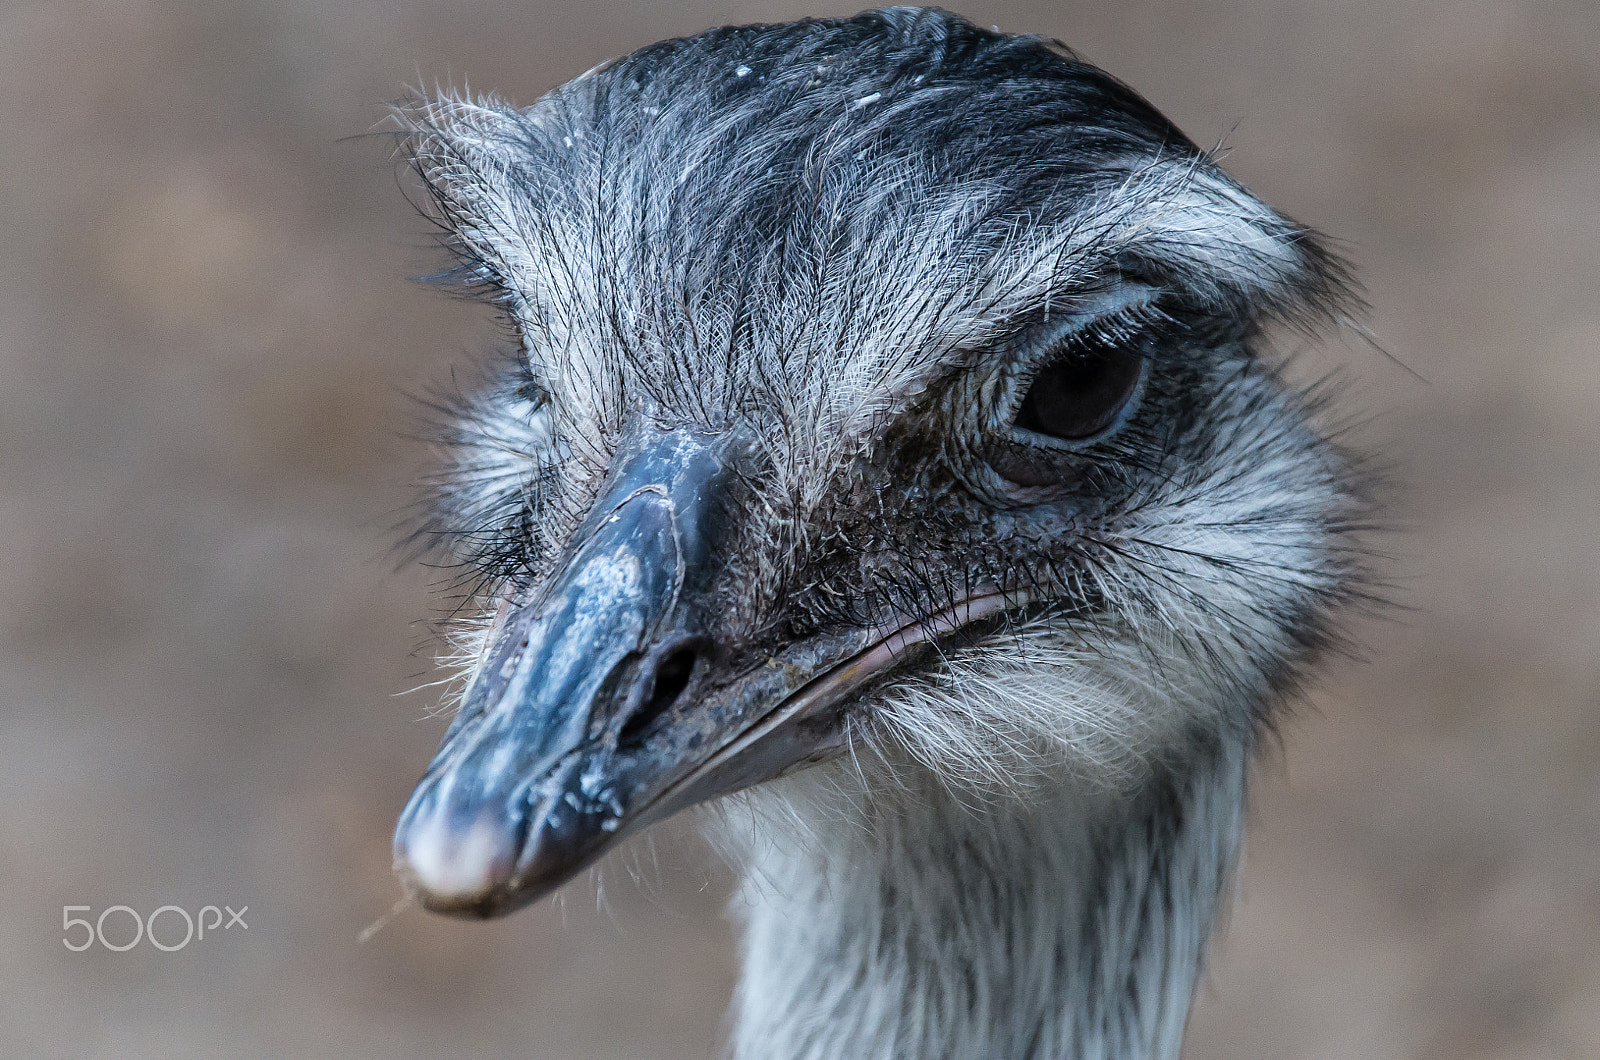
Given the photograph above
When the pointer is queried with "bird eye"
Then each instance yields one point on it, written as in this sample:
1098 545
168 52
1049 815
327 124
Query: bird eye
1081 391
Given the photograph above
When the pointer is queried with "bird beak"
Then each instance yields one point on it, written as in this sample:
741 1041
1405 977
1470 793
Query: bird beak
608 699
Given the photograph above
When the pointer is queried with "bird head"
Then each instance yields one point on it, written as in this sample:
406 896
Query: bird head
881 384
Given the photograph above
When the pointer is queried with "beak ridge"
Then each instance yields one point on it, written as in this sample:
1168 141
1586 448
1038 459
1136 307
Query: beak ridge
520 787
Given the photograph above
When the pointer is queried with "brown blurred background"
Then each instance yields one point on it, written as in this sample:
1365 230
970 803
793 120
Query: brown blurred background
204 332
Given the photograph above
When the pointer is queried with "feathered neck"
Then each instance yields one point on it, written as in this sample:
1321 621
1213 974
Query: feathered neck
917 925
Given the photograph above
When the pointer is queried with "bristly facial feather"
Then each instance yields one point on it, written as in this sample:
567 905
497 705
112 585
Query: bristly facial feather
862 242
844 233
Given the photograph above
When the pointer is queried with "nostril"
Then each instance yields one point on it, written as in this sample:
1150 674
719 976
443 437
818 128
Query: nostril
671 677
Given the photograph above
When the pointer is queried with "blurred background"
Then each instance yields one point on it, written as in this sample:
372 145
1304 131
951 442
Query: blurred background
205 332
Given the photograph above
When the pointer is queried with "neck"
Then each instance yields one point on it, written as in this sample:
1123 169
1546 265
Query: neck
920 926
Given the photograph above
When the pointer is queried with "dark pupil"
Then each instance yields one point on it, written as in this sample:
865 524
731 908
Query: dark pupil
1079 393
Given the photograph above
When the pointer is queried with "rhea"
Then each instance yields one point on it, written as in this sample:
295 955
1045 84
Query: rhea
892 461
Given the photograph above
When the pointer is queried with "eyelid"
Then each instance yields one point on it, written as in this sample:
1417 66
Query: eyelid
1092 305
1127 302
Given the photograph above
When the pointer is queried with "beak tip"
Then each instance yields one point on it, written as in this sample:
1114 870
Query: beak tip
453 868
